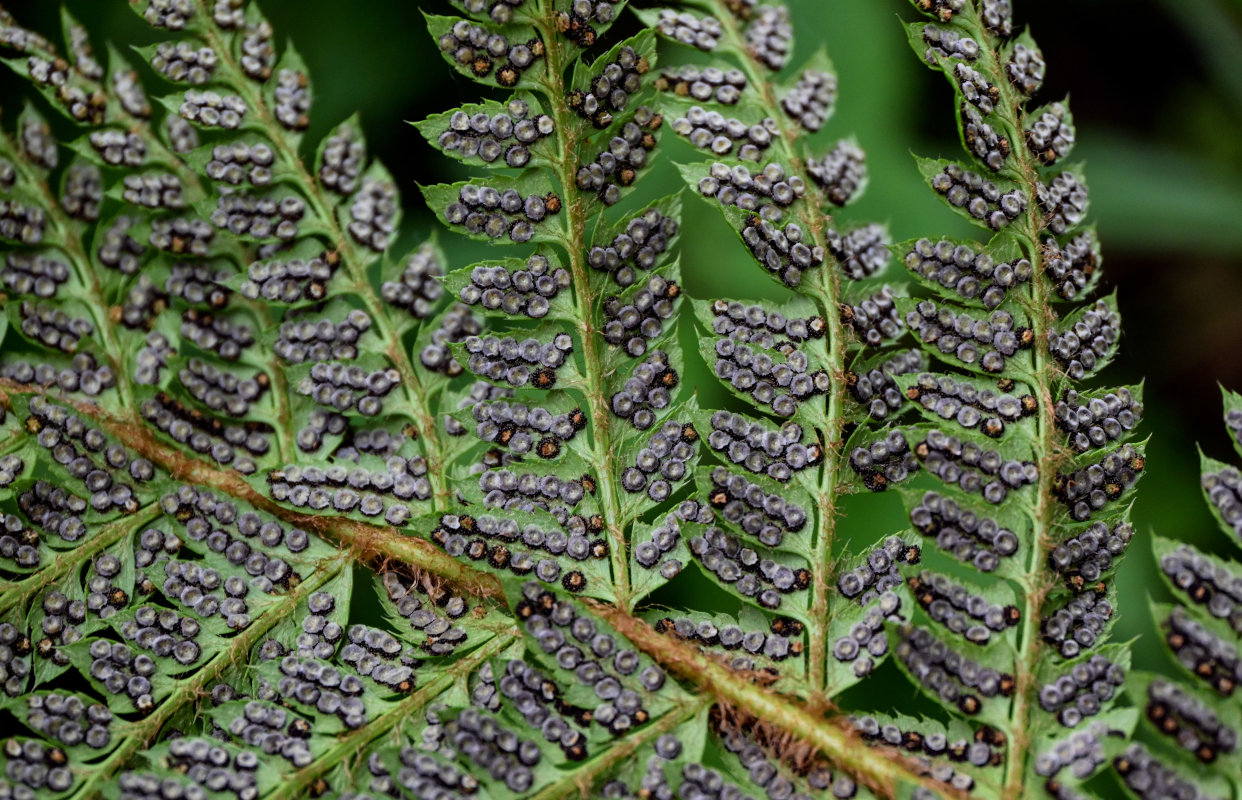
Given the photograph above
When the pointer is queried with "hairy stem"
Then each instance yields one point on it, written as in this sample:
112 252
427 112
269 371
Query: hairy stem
603 456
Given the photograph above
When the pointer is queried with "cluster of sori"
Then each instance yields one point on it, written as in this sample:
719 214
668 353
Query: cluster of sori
1082 691
308 339
59 626
181 235
199 589
947 43
15 647
522 428
667 453
878 573
1224 492
421 773
493 213
982 140
747 570
319 633
342 160
103 596
1206 582
528 291
38 144
627 153
648 390
118 249
260 217
866 640
122 672
1188 720
271 729
765 516
477 49
1025 69
34 766
1072 266
1149 779
610 89
970 466
1086 556
527 491
457 325
500 11
376 654
631 322
644 240
692 31
1087 344
952 605
971 407
518 363
292 99
170 14
860 252
373 214
198 283
539 700
1096 421
54 510
67 719
982 199
951 676
357 489
779 644
159 190
876 387
489 137
963 533
165 633
381 442
983 751
724 86
1051 136
963 335
210 766
291 280
620 678
767 192
182 61
314 684
220 335
887 460
1063 201
784 778
1082 752
220 390
1202 652
106 481
84 374
419 286
769 36
211 109
941 9
875 318
1079 624
257 53
39 274
152 546
52 326
777 453
208 435
666 536
997 16
430 617
840 173
21 223
811 100
83 193
970 273
18 544
241 161
710 130
453 532
975 88
143 302
1089 489
343 387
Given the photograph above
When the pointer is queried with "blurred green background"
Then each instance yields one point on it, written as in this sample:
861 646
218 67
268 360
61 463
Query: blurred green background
1157 94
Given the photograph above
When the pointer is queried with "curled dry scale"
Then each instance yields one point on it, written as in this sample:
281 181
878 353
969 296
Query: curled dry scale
287 512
